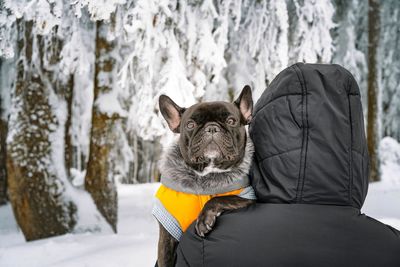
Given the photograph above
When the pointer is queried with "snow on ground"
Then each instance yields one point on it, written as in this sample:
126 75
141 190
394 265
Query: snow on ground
136 241
383 199
135 244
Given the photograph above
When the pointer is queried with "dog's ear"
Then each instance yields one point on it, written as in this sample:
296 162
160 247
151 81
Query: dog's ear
171 112
245 104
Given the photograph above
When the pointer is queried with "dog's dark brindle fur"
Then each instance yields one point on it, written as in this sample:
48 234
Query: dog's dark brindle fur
212 139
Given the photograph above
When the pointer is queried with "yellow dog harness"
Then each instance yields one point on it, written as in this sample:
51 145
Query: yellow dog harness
177 210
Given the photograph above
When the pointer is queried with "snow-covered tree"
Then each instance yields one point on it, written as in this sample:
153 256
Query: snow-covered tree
77 58
6 70
390 68
347 51
43 199
350 40
258 45
145 25
99 179
309 35
36 183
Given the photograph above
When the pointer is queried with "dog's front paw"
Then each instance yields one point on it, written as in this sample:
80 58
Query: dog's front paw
206 221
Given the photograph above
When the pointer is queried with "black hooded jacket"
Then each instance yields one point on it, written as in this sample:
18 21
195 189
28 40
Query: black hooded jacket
310 175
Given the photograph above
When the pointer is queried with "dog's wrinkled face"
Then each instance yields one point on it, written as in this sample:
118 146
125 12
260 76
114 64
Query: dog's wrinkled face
212 134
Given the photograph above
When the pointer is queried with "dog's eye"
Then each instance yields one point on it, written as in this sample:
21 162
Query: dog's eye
231 121
190 125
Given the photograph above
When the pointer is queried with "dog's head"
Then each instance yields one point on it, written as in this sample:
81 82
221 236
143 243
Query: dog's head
212 134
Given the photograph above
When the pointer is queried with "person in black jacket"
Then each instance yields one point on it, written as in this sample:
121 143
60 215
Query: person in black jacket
310 175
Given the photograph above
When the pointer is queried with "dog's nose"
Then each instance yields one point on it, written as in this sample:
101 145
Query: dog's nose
212 128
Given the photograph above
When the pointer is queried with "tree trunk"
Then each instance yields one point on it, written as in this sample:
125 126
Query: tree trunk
68 147
3 135
146 154
373 89
99 180
36 191
3 169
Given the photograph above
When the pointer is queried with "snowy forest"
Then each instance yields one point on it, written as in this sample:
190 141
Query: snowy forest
80 81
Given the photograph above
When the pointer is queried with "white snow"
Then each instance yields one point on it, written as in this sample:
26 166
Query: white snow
134 245
108 102
383 198
99 10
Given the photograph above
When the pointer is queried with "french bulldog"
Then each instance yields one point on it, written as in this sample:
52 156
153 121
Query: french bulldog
211 156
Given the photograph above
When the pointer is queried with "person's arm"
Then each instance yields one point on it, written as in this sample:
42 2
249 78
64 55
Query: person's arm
181 260
190 247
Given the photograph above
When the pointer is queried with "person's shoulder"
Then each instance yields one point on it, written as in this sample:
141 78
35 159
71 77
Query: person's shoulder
389 230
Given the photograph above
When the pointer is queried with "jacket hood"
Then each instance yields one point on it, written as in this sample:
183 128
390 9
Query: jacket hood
308 131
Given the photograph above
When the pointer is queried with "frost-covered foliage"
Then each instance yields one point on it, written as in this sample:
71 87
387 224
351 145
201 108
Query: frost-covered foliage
98 9
310 38
7 31
258 45
348 52
152 43
390 68
198 50
44 15
177 50
77 60
351 40
7 72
